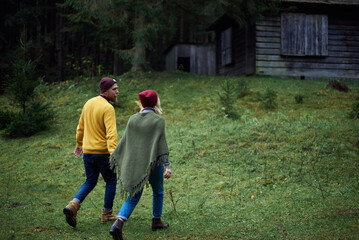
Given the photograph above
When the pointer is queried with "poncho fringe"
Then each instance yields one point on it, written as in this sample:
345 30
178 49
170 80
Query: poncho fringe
134 157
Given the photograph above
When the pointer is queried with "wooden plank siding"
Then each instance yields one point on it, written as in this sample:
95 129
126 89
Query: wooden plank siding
243 53
202 58
341 61
242 58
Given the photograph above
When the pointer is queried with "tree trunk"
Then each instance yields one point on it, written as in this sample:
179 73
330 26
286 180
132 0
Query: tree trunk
139 55
61 50
117 69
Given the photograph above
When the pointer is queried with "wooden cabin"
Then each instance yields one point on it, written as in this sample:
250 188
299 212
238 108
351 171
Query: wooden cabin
235 47
318 39
194 58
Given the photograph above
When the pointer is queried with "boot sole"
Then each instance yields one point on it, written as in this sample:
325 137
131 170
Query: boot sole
154 228
115 235
108 219
161 228
69 218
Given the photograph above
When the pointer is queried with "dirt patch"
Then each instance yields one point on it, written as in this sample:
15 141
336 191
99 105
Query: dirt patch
40 229
349 211
338 86
14 205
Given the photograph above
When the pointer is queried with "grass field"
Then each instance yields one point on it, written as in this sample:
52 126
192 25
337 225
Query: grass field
287 173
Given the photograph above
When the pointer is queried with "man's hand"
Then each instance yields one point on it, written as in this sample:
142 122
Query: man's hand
168 173
78 152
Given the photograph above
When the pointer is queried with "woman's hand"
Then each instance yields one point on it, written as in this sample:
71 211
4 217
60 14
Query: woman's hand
168 173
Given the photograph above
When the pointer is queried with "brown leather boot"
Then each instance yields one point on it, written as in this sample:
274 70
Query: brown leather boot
158 224
107 216
116 229
71 211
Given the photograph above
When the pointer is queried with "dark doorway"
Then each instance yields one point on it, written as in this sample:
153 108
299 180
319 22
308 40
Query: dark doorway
183 64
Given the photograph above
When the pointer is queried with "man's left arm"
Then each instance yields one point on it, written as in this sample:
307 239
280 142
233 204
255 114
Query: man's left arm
111 129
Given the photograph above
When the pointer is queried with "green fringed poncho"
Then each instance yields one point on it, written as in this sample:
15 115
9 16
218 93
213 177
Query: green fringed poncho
143 142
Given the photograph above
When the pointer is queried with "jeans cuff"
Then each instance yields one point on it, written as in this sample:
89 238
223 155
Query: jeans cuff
122 217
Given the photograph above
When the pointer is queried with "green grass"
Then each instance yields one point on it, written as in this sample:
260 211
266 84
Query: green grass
288 173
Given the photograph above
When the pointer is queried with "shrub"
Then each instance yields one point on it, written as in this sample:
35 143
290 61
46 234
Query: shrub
269 99
227 97
355 111
23 80
21 87
299 98
242 88
5 119
25 124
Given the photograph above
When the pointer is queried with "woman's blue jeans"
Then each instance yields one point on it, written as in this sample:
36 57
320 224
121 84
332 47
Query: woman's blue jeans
156 181
94 165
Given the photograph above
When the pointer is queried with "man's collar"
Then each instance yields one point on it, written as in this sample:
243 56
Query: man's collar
105 97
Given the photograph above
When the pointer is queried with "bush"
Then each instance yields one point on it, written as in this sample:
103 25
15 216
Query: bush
355 111
242 88
36 119
23 80
21 86
299 98
5 119
227 97
269 99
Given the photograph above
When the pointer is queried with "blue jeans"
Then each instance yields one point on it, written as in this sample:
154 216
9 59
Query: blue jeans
156 181
94 165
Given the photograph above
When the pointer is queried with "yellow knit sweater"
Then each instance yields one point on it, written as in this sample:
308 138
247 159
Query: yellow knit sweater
96 132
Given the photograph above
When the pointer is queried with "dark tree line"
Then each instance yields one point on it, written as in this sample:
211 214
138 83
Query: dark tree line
69 38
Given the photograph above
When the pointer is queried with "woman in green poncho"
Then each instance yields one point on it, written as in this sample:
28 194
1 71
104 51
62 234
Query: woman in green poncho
139 158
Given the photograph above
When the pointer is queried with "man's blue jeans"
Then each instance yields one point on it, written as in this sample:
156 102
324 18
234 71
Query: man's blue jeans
156 181
94 165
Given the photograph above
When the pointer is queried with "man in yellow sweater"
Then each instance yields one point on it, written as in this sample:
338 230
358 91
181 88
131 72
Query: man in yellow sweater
96 138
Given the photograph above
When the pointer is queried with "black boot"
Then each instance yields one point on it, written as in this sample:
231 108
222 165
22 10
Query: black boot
158 224
116 229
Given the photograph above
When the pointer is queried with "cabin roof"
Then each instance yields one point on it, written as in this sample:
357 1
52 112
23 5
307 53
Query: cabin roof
221 22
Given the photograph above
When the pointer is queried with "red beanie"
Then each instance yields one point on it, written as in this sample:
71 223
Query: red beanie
148 98
106 83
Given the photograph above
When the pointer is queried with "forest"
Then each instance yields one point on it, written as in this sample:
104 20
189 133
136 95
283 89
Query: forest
68 38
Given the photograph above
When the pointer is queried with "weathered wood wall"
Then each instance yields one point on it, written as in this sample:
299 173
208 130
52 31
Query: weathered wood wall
243 53
202 58
342 60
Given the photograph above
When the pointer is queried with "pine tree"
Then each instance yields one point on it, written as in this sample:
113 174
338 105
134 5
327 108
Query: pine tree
23 80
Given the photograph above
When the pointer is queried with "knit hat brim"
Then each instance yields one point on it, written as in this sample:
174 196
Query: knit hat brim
106 83
148 98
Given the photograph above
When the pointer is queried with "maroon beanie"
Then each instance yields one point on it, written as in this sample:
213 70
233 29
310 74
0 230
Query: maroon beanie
106 83
148 98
